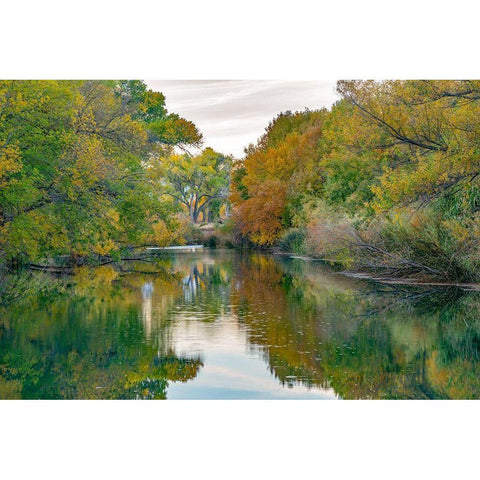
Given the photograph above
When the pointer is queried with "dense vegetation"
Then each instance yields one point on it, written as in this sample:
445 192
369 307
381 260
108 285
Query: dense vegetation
86 170
388 180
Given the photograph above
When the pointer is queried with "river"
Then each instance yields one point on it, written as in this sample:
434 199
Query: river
222 324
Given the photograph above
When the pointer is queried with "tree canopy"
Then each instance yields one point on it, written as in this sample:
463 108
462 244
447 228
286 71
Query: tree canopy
73 166
199 182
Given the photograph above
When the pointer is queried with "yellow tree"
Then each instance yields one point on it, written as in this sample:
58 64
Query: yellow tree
436 124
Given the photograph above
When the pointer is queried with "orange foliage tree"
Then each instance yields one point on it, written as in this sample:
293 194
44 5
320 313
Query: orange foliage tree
269 183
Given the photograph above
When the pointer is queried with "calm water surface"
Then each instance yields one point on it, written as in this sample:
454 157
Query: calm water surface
223 324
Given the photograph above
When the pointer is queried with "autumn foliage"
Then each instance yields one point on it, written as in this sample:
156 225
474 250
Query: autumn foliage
387 179
275 175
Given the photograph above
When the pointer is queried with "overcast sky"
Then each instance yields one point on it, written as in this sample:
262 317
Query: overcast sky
233 113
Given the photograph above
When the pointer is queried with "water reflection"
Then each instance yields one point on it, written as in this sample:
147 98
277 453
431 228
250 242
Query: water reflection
147 291
231 325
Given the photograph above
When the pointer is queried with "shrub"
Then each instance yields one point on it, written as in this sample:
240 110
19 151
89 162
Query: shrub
293 241
409 244
428 242
211 241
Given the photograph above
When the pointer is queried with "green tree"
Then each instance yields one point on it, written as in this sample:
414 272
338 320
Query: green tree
73 166
198 183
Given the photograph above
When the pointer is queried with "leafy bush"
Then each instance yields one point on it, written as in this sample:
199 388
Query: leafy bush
427 242
211 241
408 243
293 241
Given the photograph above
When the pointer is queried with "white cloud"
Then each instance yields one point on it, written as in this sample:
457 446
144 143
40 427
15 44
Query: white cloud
233 113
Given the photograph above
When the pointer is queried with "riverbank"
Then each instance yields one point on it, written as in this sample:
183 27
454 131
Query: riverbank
51 266
383 279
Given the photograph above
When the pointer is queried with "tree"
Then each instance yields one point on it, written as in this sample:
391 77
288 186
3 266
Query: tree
436 125
198 182
270 184
165 129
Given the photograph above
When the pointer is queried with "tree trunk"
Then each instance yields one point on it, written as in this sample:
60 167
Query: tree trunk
193 212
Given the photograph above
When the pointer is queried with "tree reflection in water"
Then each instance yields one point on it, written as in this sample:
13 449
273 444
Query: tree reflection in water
110 332
96 340
394 342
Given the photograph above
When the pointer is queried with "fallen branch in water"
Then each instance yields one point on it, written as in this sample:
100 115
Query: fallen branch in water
50 268
402 263
107 261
